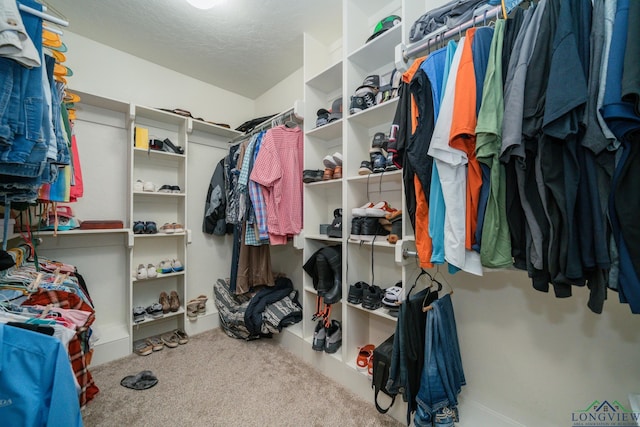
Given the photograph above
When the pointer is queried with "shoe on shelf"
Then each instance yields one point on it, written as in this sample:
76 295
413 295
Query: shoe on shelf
365 168
170 339
355 292
396 230
371 228
178 228
337 158
138 227
365 353
165 189
192 308
378 159
149 187
183 338
176 265
154 310
319 336
142 348
362 210
155 342
150 227
164 301
379 210
393 295
176 189
356 227
164 267
372 297
142 272
333 341
151 271
138 185
169 147
380 140
312 175
174 301
337 172
391 166
329 162
167 228
328 174
139 314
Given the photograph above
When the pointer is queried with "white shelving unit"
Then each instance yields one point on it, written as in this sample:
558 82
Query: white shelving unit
326 78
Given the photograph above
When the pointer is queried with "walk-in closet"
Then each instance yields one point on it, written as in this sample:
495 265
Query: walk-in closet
349 212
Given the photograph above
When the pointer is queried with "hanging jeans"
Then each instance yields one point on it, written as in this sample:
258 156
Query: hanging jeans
442 374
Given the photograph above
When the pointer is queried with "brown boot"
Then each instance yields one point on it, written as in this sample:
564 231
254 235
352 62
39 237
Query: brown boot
174 301
164 301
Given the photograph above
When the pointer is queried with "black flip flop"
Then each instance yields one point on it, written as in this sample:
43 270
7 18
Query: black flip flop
141 381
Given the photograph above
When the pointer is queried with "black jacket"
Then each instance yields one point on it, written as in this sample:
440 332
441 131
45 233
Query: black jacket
215 207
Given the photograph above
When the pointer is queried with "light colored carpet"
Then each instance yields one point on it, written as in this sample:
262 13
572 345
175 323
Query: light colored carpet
215 380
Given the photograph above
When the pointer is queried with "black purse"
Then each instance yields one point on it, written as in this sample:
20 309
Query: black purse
381 364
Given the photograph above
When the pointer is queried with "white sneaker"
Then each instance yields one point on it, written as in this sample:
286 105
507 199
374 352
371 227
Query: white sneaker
329 162
178 228
176 265
151 271
142 272
362 210
337 158
149 186
138 186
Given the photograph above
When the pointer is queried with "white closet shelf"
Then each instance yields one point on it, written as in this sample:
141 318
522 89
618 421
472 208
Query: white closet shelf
99 101
375 116
159 276
77 232
379 243
323 238
159 115
210 128
352 364
378 52
157 153
154 194
158 235
327 80
295 329
375 178
380 312
328 182
328 132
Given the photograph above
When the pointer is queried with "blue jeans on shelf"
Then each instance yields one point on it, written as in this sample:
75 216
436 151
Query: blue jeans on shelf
442 374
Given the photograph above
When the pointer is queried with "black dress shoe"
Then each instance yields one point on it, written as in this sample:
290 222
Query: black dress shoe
171 148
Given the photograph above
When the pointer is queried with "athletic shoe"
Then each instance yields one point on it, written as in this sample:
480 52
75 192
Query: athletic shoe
150 227
371 228
138 227
329 162
176 265
154 310
312 175
365 168
178 228
355 292
165 189
141 272
356 227
333 340
149 187
151 271
138 185
138 314
167 228
319 336
378 160
362 210
372 297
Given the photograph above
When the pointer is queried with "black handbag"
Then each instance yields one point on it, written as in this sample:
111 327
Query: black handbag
381 364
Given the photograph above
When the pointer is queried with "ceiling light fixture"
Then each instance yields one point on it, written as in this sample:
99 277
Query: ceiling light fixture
205 4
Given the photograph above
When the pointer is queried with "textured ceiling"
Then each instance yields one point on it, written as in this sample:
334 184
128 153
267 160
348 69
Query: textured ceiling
245 46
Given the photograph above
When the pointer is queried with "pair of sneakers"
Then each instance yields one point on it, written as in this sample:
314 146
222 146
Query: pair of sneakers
140 313
332 166
327 339
146 272
369 296
144 227
170 266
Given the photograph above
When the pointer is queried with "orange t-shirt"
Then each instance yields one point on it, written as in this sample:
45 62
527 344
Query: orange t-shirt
463 134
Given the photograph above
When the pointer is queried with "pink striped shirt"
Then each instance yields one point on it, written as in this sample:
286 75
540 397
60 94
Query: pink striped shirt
278 169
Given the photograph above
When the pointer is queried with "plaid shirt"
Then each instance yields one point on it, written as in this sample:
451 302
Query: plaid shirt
257 200
278 168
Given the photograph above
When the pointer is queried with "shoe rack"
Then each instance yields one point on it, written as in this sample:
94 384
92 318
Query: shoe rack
335 67
151 169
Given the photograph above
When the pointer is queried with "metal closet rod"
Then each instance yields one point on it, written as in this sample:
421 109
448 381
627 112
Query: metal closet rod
267 124
42 15
481 15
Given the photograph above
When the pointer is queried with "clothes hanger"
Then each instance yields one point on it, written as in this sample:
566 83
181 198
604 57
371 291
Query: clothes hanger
428 305
415 282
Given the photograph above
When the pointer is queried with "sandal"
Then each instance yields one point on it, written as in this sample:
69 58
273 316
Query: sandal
142 348
183 338
170 339
192 308
364 355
